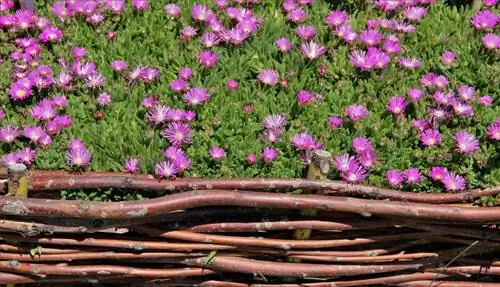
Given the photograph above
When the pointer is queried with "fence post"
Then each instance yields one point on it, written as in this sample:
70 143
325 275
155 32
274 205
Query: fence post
318 169
17 185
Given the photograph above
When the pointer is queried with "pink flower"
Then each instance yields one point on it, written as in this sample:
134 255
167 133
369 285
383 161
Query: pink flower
284 45
251 158
232 85
453 182
493 130
131 165
335 122
356 112
466 142
268 77
312 50
395 178
430 137
165 169
269 154
217 153
448 58
208 58
438 173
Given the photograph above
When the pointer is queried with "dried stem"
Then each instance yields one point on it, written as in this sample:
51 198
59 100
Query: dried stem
199 198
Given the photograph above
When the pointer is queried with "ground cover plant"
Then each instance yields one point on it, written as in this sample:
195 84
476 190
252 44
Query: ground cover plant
402 93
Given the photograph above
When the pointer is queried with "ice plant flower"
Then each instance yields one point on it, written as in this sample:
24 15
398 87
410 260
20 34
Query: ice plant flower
312 50
131 165
414 13
78 157
356 112
491 41
437 173
368 158
354 174
50 35
412 176
284 45
177 133
158 114
395 178
165 169
430 137
8 159
337 18
345 162
104 99
251 158
304 97
484 20
269 154
370 37
9 134
465 142
409 62
232 85
26 155
440 81
453 182
208 59
196 96
217 153
397 105
448 58
361 145
178 85
268 77
274 122
173 10
415 94
304 141
305 32
466 93
185 73
493 130
335 122
486 101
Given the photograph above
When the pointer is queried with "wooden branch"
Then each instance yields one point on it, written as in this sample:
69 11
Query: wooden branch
199 198
437 283
43 181
363 259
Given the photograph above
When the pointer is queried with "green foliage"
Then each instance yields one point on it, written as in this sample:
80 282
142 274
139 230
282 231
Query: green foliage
151 38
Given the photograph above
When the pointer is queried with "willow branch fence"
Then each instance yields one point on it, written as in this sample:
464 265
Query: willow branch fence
242 232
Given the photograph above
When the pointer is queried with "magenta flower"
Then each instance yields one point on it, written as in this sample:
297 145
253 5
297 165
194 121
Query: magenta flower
368 158
415 94
172 153
8 159
248 108
209 39
140 5
78 157
335 122
484 20
103 99
284 45
175 115
430 137
76 144
131 165
50 35
200 12
187 32
462 109
354 174
95 80
185 73
305 32
437 173
448 58
337 18
397 105
491 41
304 141
196 96
304 97
268 77
208 59
18 92
345 162
8 134
312 50
274 122
26 155
440 82
178 85
149 75
165 169
465 142
59 101
158 114
217 153
6 5
361 145
427 80
78 52
269 154
356 112
395 178
119 65
493 130
297 15
414 13
34 133
466 93
182 162
453 182
409 62
412 176
177 133
391 47
251 158
173 10
232 85
486 101
370 37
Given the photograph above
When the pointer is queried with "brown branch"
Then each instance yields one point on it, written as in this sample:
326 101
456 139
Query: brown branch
435 283
214 283
363 259
117 243
91 270
26 279
199 198
282 243
35 229
466 270
289 225
386 280
95 256
26 249
285 269
145 182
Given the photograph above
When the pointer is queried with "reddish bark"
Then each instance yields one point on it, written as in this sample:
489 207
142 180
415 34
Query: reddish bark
199 198
436 283
90 270
285 269
42 180
362 259
95 256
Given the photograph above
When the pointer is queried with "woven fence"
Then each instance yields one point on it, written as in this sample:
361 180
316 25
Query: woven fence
242 232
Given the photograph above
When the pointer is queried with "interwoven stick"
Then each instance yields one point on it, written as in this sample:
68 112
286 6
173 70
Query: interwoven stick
96 256
165 204
145 182
43 270
362 259
26 249
285 269
436 283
